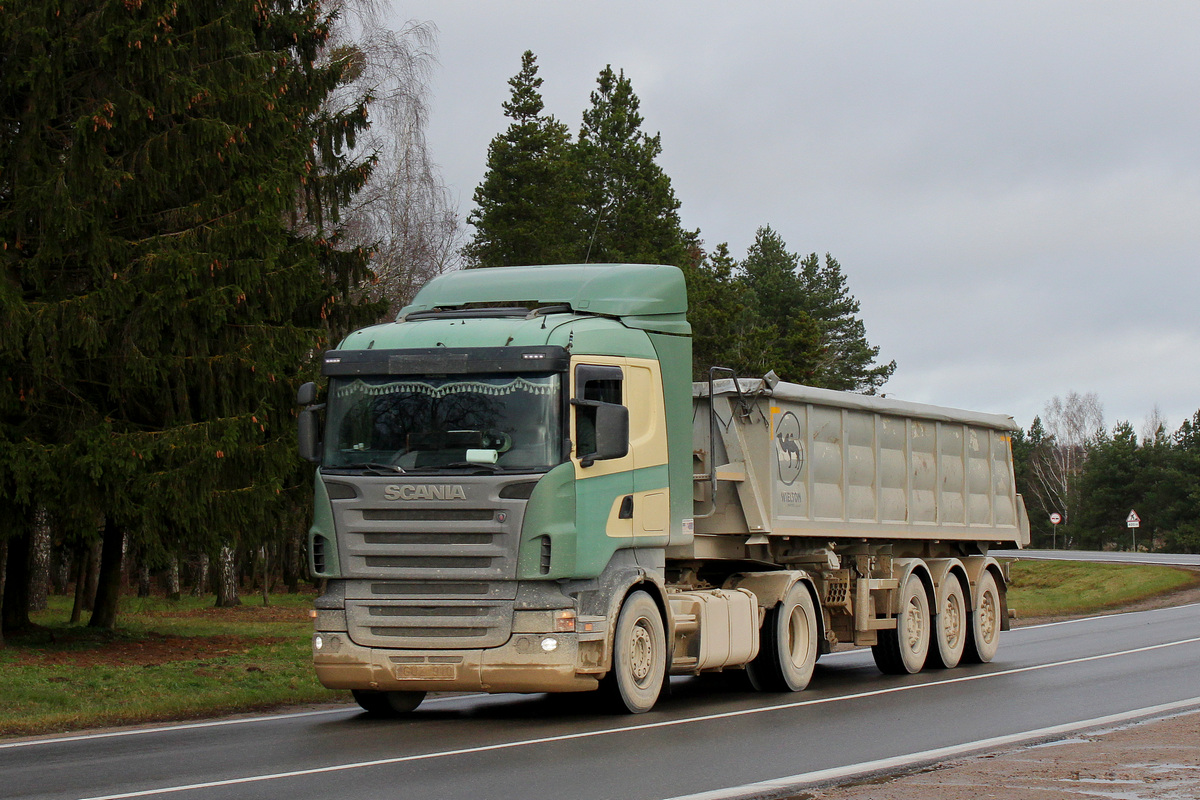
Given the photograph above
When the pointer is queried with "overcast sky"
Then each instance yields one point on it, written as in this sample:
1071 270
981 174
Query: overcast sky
1012 189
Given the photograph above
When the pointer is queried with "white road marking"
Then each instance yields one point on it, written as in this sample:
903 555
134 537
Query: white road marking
83 737
665 724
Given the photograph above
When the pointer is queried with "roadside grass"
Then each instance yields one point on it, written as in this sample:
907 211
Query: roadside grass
1067 588
168 660
184 659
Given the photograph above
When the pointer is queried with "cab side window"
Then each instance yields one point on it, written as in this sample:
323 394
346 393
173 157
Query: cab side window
593 385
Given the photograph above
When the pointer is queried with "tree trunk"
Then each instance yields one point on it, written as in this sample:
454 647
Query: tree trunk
83 569
15 613
143 580
39 561
108 589
3 568
200 587
93 575
227 582
172 584
60 571
266 575
291 562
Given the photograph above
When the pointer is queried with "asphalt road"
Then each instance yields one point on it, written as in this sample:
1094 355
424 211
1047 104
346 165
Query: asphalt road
707 740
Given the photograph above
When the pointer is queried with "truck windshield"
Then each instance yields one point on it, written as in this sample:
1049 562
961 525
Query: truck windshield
509 422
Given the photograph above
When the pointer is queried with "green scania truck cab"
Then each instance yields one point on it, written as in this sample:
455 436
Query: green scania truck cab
520 489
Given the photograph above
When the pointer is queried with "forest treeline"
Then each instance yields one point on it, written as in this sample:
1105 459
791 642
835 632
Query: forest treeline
1068 463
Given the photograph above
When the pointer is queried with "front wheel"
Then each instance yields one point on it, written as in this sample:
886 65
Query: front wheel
639 655
387 704
787 649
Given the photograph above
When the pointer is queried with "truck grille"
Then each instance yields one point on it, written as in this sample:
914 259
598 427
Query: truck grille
430 574
422 624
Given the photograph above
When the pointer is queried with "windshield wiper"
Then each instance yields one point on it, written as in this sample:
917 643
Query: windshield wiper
454 465
378 468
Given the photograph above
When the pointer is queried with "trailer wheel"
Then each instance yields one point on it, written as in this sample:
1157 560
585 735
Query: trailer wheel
950 628
639 655
984 636
787 649
905 649
387 704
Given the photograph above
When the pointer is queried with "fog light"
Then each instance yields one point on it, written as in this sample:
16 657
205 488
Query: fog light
318 642
549 644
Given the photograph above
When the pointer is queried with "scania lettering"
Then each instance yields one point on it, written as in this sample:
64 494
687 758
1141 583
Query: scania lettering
520 489
420 492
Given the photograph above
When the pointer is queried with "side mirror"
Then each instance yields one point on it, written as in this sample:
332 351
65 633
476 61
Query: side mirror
612 434
306 395
308 436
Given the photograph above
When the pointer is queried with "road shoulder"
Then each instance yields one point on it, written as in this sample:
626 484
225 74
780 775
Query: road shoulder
1150 760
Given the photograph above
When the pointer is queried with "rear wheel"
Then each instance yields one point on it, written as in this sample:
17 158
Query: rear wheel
639 655
950 627
905 649
787 644
387 704
985 622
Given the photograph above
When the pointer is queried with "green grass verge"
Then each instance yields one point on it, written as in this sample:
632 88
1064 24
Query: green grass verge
167 661
1042 588
184 659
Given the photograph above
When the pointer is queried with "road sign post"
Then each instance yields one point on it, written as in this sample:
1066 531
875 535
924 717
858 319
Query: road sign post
1055 518
1133 522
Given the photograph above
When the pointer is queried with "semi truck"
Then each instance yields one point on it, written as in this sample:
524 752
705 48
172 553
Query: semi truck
521 489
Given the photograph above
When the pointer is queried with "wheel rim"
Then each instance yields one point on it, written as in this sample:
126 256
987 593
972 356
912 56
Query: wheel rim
987 617
799 635
952 620
641 653
914 628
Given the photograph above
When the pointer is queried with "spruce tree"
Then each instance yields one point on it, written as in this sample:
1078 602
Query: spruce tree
845 360
715 306
630 212
527 206
169 246
776 331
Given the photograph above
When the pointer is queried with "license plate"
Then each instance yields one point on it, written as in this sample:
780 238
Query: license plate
428 672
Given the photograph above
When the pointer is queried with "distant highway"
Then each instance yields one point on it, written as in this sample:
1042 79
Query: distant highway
1115 557
706 741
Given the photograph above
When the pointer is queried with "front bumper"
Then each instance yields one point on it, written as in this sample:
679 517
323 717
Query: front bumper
523 664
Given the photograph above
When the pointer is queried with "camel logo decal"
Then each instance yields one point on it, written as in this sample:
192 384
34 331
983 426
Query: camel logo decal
789 448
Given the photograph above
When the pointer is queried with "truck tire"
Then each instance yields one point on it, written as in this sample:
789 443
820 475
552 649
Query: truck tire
787 649
950 627
984 636
639 663
387 704
905 649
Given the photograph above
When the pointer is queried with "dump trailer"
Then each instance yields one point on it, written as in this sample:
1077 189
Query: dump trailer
520 489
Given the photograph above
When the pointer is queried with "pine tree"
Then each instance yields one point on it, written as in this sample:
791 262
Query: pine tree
527 206
1109 487
1180 489
844 358
715 307
776 330
169 242
630 212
